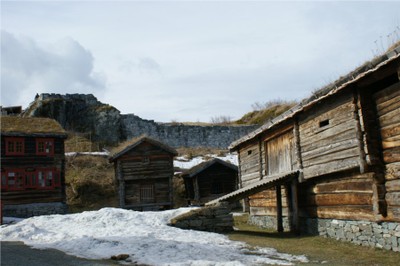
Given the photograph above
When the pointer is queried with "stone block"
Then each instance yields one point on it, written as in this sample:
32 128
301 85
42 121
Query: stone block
394 241
355 229
392 226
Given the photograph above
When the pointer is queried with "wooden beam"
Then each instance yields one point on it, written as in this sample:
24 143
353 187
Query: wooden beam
260 159
121 181
196 189
293 206
279 221
297 149
359 132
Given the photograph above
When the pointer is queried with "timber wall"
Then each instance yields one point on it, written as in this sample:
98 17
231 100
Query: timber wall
226 177
146 164
328 137
388 110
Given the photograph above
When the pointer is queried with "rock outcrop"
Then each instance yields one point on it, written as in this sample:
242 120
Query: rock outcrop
85 114
79 113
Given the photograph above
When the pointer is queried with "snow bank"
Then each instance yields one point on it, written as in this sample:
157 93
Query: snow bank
183 163
145 236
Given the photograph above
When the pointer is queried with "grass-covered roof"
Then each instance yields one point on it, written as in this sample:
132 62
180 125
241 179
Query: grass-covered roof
132 143
15 125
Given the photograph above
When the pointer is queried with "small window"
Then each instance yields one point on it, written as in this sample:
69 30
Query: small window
217 187
147 193
15 146
45 147
249 152
324 123
145 160
15 180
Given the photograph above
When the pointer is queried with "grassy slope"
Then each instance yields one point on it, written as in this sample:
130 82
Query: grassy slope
266 113
319 250
90 183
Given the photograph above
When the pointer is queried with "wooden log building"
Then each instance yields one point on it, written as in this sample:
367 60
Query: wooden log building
144 170
336 155
209 180
32 166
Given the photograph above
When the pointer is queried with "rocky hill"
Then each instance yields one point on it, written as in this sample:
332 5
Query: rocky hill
83 113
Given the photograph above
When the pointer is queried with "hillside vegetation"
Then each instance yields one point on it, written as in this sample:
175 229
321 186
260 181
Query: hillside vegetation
90 183
262 113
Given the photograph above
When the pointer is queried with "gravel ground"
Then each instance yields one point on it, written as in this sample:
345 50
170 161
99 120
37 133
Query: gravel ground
18 254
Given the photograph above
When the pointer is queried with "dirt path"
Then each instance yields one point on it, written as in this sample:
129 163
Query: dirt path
18 254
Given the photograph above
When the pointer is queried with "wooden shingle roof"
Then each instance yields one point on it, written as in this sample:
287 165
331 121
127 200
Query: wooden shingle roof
23 126
325 92
203 166
131 144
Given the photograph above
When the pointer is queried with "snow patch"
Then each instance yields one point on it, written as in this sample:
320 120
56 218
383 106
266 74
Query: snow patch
145 236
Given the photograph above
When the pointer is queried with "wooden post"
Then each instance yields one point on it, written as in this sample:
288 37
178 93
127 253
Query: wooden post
279 221
297 150
295 206
359 133
171 183
246 205
196 190
121 181
260 159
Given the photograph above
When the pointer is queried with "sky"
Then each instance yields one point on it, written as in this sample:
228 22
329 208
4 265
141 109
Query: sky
187 61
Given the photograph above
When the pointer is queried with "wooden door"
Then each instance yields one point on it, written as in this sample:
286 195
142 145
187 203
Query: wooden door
280 154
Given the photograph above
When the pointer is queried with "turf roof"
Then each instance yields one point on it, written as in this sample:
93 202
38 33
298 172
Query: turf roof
132 143
15 125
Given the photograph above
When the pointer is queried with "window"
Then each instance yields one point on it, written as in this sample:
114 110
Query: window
15 146
249 152
324 123
145 160
217 187
147 193
45 178
45 147
17 179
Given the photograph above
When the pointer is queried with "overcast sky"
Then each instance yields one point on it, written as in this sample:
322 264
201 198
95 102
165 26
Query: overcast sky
186 60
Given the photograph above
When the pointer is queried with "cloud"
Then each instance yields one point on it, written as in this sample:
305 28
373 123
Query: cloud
28 68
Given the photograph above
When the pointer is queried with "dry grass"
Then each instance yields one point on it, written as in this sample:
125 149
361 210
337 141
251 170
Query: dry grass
90 183
190 153
78 143
319 250
39 125
264 113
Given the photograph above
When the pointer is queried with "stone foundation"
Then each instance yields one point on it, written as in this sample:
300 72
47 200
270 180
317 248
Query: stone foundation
212 219
268 222
385 235
34 209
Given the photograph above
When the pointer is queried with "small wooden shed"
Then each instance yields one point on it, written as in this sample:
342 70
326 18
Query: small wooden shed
210 180
32 166
144 170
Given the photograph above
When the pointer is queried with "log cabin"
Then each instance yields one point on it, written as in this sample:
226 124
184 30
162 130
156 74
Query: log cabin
209 180
144 170
331 164
32 166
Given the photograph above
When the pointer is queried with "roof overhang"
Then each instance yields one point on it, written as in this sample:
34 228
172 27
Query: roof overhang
256 187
